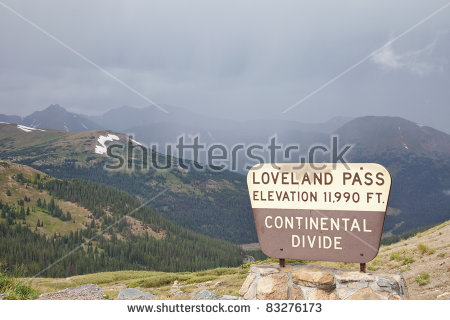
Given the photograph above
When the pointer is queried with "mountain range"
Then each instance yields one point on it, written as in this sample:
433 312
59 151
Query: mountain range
216 204
53 117
154 126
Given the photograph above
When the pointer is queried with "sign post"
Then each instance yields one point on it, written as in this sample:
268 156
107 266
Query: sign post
317 211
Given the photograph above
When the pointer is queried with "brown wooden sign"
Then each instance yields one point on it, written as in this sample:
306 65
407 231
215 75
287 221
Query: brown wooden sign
317 211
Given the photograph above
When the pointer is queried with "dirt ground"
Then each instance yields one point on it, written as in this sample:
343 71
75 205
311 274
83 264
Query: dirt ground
430 251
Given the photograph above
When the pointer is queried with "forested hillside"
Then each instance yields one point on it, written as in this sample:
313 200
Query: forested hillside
212 203
37 228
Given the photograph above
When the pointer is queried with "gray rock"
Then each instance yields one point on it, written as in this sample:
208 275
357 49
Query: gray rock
228 297
344 293
131 293
175 292
205 295
344 276
2 295
251 293
84 292
389 285
264 269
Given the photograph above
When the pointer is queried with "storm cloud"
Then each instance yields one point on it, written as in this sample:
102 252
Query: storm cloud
231 59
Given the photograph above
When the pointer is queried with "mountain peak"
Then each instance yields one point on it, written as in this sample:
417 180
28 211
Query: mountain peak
57 118
55 108
381 133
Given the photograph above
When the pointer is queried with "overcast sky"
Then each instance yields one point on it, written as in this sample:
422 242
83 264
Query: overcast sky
235 59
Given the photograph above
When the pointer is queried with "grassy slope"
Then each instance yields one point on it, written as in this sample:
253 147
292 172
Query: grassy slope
49 146
18 191
425 253
220 281
80 215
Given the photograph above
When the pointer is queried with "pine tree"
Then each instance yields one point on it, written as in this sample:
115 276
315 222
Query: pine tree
51 206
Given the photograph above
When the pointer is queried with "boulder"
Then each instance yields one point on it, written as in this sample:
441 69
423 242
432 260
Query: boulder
295 293
135 294
264 270
365 294
247 283
313 277
273 287
205 295
319 294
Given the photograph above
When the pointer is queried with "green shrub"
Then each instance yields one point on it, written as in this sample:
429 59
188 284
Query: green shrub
424 249
404 256
423 279
16 289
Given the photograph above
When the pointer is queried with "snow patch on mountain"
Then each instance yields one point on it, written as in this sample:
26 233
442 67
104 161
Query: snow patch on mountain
28 129
101 149
136 142
402 139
